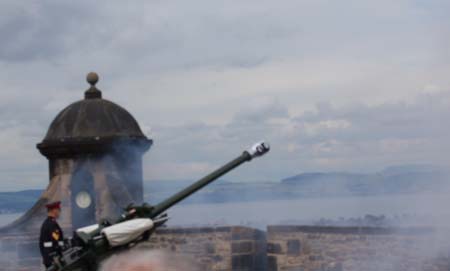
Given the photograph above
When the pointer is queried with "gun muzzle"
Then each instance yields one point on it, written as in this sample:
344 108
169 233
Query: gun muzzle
259 149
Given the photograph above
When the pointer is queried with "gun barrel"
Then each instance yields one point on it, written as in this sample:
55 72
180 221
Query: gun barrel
257 150
95 243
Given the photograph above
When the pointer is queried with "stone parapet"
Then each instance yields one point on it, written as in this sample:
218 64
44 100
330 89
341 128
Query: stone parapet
211 248
281 248
19 252
217 249
308 248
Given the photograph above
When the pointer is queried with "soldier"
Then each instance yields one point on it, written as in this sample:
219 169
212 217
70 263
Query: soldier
51 238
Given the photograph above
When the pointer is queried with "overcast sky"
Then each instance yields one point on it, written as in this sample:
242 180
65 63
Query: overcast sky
333 85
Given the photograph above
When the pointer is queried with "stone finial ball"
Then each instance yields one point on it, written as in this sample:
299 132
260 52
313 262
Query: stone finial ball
92 78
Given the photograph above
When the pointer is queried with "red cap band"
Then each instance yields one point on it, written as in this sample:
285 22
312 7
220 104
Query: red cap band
54 205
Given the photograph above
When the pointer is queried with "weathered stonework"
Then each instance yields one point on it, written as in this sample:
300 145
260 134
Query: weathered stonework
287 248
218 249
94 148
303 248
19 252
213 249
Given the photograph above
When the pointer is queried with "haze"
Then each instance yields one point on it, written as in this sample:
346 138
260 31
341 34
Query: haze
333 85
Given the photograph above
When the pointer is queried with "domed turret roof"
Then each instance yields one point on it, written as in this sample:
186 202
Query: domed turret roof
92 125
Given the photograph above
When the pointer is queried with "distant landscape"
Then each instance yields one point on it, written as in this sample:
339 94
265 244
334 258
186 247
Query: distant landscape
408 179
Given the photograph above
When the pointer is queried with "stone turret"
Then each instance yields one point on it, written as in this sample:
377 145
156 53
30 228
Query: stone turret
94 148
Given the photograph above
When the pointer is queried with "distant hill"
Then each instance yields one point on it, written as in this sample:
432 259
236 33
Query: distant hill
15 202
393 180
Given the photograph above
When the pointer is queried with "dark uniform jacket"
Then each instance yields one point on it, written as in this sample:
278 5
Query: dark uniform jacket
51 240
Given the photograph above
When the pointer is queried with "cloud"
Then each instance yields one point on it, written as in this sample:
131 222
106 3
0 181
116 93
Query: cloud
21 167
332 85
356 137
36 30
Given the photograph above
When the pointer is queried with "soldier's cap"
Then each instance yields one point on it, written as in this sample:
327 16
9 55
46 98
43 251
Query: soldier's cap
53 205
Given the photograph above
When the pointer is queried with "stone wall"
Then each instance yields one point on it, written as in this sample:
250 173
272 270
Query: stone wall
303 248
19 253
282 248
215 249
212 248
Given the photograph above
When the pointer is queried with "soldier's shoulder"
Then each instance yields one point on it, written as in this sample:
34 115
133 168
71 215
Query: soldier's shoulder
48 222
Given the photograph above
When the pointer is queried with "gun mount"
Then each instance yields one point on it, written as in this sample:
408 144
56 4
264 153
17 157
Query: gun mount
90 245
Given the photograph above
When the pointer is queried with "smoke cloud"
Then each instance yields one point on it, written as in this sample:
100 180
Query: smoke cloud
140 260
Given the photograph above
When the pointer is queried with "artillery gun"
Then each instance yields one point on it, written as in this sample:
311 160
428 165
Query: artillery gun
91 244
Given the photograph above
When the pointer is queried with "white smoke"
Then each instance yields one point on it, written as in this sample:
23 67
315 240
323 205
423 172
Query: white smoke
145 260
